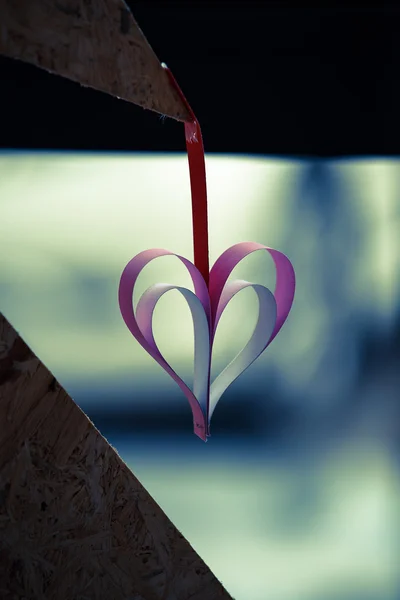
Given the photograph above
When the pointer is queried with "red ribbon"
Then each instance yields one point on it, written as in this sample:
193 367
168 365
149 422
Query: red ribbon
198 185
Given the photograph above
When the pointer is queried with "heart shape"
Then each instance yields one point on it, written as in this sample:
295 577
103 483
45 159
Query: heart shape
206 306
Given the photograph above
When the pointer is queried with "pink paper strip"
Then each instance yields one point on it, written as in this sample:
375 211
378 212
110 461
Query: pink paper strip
206 309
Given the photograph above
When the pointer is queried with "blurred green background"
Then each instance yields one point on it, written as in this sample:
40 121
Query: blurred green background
296 494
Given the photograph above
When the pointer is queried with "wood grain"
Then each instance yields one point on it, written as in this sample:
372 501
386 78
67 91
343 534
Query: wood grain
94 42
75 523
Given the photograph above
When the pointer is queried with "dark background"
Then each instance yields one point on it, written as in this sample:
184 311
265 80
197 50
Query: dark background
281 78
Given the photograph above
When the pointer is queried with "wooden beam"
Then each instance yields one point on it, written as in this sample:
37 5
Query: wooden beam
74 521
94 42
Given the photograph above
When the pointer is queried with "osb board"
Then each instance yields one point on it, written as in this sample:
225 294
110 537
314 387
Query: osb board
94 42
75 523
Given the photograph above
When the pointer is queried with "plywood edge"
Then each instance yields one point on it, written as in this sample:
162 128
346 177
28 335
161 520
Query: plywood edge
74 520
94 42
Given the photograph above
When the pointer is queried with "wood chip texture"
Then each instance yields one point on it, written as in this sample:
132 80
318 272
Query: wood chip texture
75 523
94 42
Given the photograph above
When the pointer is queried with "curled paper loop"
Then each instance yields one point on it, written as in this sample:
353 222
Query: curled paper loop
206 307
144 318
285 279
143 332
256 344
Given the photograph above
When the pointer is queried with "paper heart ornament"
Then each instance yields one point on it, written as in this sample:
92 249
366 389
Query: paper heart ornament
207 306
212 293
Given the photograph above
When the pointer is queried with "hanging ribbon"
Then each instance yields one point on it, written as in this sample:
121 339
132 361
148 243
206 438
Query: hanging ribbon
212 293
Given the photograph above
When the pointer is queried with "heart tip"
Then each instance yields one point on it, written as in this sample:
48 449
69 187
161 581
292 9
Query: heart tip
200 431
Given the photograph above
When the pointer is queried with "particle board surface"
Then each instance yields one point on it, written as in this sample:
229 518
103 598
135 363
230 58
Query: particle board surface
74 520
